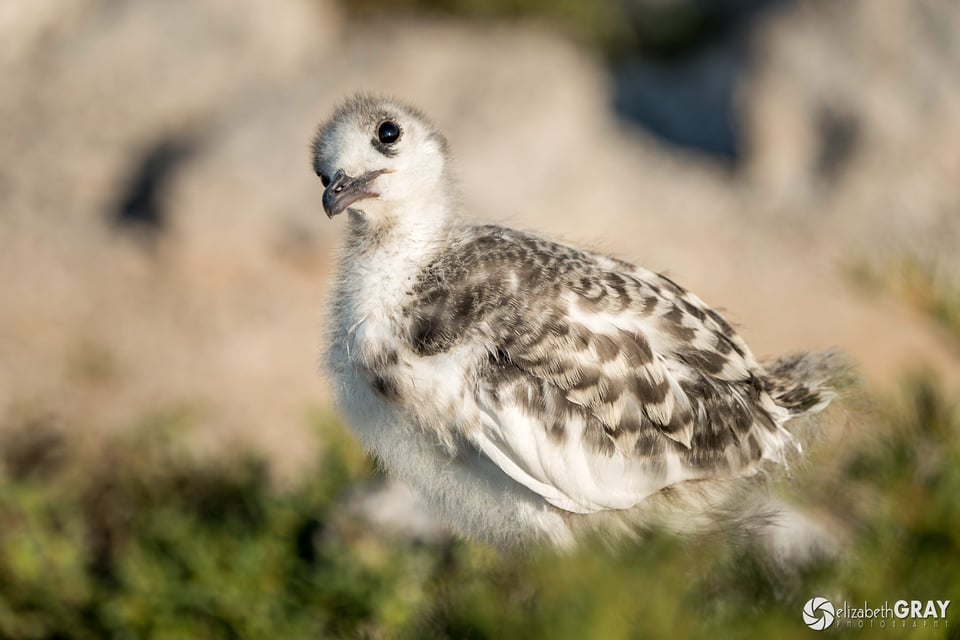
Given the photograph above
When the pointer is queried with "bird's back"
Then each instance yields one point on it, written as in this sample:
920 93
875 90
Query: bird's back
649 375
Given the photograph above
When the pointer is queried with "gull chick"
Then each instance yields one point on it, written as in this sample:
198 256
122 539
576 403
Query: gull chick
532 391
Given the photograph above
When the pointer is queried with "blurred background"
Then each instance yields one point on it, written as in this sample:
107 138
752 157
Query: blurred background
169 462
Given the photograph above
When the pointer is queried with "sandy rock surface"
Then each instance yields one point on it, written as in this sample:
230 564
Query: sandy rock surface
853 151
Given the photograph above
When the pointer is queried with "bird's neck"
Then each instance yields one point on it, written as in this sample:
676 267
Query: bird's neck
386 250
415 229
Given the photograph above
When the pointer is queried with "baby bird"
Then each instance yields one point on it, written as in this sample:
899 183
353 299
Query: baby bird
533 391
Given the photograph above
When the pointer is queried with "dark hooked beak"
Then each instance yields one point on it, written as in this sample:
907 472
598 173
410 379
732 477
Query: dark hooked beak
344 191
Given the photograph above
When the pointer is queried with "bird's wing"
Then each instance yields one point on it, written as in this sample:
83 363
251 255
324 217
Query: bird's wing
623 385
604 383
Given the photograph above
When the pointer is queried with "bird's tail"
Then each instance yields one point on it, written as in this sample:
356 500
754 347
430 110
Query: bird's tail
805 383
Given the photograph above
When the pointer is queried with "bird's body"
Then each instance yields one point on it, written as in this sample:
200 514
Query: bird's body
529 389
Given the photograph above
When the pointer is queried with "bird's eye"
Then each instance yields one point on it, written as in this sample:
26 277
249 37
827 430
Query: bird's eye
324 179
388 132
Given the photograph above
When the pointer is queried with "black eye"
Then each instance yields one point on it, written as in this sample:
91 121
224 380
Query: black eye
388 132
324 179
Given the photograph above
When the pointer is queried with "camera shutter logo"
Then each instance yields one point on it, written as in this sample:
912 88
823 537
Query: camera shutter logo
819 613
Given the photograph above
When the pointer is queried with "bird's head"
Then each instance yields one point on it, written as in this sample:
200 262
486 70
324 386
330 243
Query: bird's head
380 159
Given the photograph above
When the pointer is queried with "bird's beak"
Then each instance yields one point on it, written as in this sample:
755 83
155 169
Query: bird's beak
344 191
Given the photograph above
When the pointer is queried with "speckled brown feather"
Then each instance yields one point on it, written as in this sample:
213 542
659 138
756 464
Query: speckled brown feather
509 289
524 386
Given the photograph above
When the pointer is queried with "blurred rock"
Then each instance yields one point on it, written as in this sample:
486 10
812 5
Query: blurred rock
680 82
688 102
91 88
852 124
24 26
224 311
141 205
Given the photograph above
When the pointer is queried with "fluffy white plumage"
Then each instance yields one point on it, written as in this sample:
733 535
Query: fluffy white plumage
530 390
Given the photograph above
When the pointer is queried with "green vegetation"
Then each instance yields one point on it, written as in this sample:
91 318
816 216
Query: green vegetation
612 26
137 538
595 22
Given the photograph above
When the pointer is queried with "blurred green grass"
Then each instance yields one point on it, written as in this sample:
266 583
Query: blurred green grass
612 27
140 538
